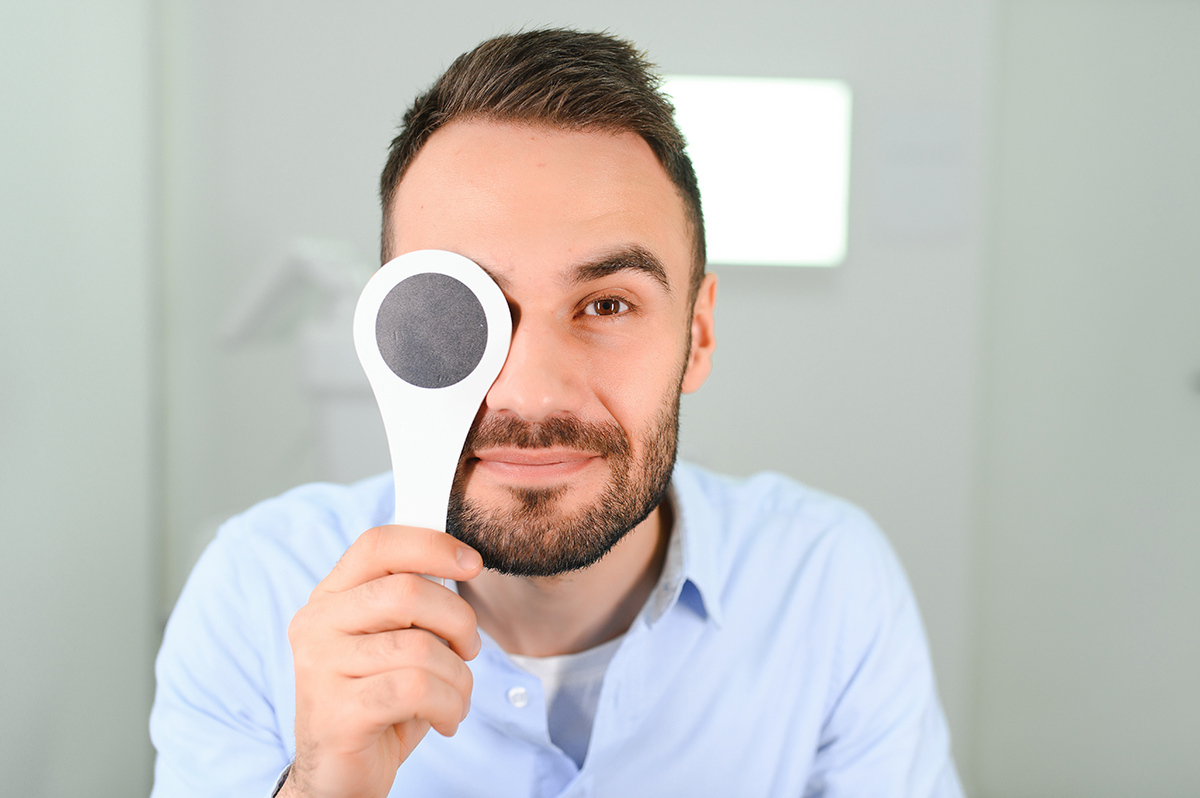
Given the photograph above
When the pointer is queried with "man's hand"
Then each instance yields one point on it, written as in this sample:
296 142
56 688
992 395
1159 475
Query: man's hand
373 668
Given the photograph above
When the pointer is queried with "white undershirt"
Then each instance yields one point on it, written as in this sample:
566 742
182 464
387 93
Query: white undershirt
571 683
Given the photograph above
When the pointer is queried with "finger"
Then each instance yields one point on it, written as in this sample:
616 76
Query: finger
387 699
408 734
399 601
390 651
398 549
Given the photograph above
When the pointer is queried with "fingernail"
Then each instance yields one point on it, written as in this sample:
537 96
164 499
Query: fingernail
468 559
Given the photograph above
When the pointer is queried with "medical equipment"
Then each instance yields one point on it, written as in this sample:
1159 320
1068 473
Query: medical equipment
432 331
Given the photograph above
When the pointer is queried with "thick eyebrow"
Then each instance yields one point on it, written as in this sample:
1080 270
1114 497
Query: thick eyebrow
633 258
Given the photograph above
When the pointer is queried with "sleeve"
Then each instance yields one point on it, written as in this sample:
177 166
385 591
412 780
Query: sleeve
214 723
884 731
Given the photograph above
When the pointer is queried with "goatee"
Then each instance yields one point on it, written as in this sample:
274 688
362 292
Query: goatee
533 537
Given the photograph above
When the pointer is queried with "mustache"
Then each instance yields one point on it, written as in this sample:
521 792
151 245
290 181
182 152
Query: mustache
607 440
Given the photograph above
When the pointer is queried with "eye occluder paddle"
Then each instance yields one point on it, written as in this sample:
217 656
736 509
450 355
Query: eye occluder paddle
432 331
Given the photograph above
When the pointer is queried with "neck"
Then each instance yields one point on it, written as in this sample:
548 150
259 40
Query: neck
565 614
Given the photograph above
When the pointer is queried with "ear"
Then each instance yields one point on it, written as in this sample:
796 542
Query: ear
704 339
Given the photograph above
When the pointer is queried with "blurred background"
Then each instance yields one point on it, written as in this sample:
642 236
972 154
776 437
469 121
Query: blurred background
1005 370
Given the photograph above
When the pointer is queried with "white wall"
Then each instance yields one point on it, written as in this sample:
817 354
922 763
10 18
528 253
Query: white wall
860 380
77 490
1089 668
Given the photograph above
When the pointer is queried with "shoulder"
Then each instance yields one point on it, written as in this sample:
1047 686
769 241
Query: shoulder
770 510
271 556
769 541
233 613
809 583
763 494
308 527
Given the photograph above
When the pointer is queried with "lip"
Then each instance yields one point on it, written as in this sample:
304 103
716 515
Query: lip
533 465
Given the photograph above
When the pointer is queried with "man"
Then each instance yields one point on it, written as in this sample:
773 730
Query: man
612 624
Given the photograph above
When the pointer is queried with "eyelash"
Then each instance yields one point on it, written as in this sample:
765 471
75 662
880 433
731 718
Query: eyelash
623 307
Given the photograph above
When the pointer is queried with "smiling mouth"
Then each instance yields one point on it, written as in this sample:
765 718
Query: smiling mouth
533 465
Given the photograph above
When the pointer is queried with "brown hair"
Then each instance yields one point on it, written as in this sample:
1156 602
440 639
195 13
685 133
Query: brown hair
560 78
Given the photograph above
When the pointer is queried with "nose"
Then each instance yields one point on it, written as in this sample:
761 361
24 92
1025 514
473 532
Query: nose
542 376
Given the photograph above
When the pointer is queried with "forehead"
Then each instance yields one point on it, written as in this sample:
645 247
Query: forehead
521 199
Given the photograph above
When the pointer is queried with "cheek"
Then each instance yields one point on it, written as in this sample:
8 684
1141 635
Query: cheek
634 377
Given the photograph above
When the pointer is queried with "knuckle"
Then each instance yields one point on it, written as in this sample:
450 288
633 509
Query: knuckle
472 619
385 594
366 548
463 623
457 709
405 588
410 686
422 644
295 628
300 626
403 646
368 542
466 681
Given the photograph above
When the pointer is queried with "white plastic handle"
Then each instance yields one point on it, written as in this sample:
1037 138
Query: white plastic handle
427 426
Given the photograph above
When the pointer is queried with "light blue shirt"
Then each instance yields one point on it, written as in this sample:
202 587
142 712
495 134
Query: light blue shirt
781 654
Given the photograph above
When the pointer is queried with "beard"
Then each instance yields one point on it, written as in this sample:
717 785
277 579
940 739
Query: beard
532 536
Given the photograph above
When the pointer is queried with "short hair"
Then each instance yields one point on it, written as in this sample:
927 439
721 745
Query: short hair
558 78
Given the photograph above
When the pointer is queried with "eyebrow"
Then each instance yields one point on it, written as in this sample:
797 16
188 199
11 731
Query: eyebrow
633 258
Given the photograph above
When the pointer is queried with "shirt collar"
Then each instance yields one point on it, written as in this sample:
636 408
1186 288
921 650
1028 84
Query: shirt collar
691 556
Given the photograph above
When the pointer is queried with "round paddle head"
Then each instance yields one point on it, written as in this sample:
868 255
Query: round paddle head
431 330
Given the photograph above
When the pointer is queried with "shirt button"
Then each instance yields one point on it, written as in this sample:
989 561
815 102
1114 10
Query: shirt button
518 697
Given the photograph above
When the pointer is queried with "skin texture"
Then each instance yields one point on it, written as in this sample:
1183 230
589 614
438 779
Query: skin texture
587 237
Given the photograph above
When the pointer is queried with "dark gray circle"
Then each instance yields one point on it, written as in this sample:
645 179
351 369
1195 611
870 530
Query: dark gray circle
431 330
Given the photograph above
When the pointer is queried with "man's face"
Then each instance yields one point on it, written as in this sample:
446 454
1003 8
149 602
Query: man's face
588 239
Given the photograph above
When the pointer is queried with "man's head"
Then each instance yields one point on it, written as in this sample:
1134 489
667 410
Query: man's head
583 223
562 79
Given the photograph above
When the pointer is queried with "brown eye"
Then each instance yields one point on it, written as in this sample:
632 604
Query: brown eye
606 307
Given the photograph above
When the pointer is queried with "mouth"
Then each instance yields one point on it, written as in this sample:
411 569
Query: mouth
533 466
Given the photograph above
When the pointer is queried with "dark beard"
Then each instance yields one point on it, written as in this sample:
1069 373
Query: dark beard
533 539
